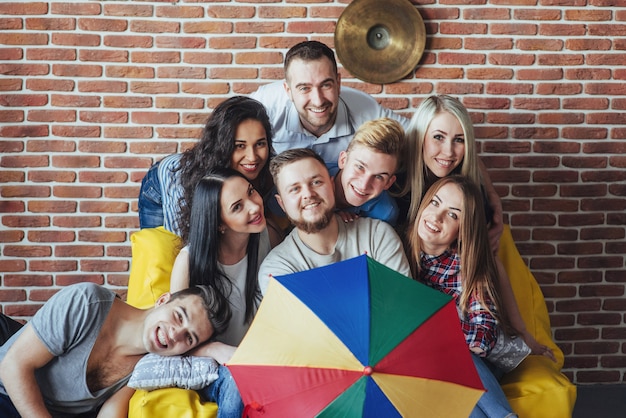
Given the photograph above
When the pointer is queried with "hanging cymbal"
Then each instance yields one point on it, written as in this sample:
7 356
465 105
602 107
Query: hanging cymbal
380 41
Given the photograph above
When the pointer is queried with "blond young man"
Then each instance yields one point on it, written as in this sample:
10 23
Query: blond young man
367 169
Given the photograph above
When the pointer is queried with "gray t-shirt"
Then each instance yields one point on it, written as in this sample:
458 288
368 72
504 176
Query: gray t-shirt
68 325
364 235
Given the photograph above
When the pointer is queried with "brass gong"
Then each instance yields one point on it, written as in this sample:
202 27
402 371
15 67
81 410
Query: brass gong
380 41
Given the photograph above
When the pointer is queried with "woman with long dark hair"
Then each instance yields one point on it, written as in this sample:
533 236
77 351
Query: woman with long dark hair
238 135
227 240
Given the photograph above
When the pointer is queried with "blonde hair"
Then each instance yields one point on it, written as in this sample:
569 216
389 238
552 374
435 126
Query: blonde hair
415 135
384 135
479 271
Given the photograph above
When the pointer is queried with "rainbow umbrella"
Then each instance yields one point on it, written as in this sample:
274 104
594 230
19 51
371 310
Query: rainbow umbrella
355 339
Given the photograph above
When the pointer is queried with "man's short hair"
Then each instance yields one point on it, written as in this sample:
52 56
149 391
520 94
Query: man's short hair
209 303
291 156
310 51
384 135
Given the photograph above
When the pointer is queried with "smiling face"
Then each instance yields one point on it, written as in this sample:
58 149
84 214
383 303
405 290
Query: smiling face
251 149
365 174
241 207
313 87
439 222
176 327
444 144
306 194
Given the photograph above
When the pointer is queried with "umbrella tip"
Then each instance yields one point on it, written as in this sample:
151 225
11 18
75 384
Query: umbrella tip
368 370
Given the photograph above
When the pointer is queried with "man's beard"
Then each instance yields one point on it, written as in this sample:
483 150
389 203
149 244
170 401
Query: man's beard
315 226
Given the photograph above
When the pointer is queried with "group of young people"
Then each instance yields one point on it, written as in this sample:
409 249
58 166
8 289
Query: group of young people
302 174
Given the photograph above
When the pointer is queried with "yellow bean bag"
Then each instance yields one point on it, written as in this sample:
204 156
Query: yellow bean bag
153 253
536 388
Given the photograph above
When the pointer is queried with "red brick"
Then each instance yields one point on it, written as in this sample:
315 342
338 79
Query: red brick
580 305
77 221
128 222
102 236
539 45
25 69
20 100
11 236
102 147
53 266
600 262
26 221
74 101
130 10
11 116
51 206
562 30
104 265
24 191
264 12
51 54
27 280
178 43
11 206
154 26
69 279
584 162
126 41
554 205
104 207
102 86
577 190
79 251
12 176
129 72
24 251
190 12
533 219
119 251
51 236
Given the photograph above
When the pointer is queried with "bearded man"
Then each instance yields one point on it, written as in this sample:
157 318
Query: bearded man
307 196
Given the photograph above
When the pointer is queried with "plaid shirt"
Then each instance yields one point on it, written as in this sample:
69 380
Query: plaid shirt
443 272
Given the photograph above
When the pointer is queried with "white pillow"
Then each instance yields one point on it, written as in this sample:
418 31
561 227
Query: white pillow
186 372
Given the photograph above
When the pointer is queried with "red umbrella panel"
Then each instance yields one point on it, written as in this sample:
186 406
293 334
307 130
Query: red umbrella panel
355 339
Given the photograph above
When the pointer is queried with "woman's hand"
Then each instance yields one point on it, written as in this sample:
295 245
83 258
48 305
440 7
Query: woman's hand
537 348
218 351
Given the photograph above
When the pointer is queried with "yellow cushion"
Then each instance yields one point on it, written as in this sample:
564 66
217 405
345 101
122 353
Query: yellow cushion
170 403
536 388
153 253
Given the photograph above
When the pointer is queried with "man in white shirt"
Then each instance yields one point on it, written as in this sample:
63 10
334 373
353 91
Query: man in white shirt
306 194
310 109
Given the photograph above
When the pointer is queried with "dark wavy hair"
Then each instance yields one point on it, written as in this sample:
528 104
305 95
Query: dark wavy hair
216 148
204 244
211 305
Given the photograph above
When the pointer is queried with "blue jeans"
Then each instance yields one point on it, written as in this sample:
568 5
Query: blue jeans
150 202
7 409
493 403
224 392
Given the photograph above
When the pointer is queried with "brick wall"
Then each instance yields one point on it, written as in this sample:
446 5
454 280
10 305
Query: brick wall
92 93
